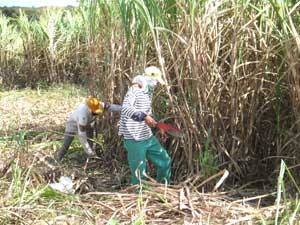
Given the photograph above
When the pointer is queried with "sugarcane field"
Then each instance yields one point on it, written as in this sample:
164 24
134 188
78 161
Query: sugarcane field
137 112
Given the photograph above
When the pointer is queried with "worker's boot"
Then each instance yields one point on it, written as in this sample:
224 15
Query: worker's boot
60 154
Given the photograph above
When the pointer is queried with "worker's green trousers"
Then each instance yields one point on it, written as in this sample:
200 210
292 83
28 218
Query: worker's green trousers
150 149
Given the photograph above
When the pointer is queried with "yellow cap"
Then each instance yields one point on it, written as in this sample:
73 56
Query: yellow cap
94 105
154 72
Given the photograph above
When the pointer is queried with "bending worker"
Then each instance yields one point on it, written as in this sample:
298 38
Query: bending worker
135 127
81 122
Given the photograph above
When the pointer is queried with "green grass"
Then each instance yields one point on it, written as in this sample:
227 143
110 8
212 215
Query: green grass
207 159
287 209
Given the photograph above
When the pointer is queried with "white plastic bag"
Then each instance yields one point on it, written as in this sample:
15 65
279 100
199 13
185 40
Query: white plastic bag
65 185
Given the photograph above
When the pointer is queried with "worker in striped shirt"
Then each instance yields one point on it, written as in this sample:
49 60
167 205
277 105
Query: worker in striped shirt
135 127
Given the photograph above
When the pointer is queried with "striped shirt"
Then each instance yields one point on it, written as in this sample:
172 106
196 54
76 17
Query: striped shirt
136 100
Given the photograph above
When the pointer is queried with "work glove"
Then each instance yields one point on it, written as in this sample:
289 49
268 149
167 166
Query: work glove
89 152
106 105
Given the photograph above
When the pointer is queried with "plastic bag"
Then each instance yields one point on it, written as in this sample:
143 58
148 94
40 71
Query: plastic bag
65 185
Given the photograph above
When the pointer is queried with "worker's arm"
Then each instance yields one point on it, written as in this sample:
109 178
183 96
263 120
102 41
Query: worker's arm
111 107
83 139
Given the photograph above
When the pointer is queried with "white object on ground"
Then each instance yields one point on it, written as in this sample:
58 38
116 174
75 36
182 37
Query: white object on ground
65 185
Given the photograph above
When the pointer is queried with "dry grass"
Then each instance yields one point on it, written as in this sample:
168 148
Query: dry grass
102 194
36 109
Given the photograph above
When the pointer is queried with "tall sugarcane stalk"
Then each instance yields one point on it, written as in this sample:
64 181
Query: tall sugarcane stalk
231 66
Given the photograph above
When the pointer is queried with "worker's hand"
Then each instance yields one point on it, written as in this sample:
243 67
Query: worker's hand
150 121
163 136
106 105
90 153
88 149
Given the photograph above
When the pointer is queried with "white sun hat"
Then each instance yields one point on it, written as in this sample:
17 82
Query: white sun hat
154 72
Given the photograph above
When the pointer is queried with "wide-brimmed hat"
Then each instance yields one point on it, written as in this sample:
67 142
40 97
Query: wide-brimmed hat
154 72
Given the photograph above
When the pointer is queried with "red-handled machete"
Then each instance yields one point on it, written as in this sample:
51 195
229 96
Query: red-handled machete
169 129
